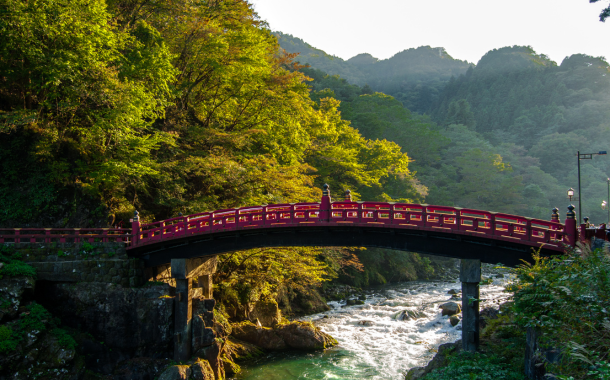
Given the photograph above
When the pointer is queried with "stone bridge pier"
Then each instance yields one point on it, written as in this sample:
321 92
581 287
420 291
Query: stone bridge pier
189 275
470 276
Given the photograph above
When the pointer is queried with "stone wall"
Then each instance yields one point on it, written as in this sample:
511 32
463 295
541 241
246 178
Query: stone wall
83 262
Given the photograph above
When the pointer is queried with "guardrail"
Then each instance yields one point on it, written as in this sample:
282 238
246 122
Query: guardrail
369 214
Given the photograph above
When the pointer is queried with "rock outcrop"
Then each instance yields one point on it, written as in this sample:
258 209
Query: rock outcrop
267 312
439 360
297 335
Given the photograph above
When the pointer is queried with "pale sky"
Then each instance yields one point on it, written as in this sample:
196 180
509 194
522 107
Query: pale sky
466 28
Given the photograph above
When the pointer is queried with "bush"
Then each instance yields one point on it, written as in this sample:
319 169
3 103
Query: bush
568 298
13 266
475 366
8 339
64 339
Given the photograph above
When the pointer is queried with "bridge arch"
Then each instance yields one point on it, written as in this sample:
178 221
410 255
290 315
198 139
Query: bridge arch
436 230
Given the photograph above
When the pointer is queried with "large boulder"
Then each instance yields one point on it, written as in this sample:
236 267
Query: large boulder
450 308
407 315
263 337
304 336
441 359
202 370
298 335
267 312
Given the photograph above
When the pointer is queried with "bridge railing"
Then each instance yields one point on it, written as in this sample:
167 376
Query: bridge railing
64 235
398 215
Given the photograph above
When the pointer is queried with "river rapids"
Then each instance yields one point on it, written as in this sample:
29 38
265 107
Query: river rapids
373 344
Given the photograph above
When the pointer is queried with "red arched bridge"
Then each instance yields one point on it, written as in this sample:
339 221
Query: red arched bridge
438 230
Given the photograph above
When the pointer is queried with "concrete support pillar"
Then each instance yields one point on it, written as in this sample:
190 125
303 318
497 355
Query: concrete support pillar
183 271
205 283
470 275
183 314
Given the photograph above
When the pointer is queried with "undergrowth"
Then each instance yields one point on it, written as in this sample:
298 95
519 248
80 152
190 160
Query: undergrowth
568 299
475 366
13 265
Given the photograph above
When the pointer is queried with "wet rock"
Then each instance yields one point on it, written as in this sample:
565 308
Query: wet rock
350 302
305 336
267 312
366 323
362 297
359 302
499 275
454 320
176 372
454 291
450 308
408 315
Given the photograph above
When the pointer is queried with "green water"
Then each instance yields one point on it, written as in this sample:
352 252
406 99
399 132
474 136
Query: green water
335 363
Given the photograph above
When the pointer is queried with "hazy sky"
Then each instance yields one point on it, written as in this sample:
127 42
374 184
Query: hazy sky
466 28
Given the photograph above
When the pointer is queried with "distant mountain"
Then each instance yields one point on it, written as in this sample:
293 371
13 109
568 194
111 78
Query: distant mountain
414 76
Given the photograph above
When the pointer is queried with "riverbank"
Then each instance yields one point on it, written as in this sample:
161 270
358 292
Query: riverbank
397 326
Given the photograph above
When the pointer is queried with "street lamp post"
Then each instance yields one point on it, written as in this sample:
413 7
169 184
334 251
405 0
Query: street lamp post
608 181
584 156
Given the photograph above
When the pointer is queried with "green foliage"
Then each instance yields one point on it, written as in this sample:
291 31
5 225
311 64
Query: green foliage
567 298
8 339
247 276
13 266
380 266
64 339
35 318
477 366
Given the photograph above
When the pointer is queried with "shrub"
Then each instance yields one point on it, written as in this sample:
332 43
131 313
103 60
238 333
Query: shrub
64 339
475 366
8 339
568 298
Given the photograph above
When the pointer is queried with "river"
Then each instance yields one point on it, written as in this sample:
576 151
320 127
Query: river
382 348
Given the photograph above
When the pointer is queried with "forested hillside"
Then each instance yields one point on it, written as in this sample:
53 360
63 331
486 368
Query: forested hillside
502 136
165 108
414 76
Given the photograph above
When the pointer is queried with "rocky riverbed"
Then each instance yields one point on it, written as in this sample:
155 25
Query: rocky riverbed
397 327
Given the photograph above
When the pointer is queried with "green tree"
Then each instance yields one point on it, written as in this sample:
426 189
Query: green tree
459 113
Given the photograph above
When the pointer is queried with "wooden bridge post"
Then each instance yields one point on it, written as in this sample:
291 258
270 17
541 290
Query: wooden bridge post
183 271
570 231
135 228
470 275
325 205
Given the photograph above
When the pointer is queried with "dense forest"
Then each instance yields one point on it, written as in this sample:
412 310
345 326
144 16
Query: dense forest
176 107
501 136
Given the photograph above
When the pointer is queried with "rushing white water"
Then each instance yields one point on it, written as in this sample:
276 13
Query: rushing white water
372 343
